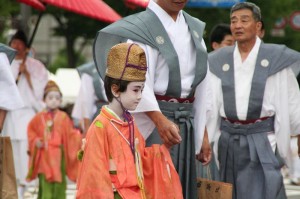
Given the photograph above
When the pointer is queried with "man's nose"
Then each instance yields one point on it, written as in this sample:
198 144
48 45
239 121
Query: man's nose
238 24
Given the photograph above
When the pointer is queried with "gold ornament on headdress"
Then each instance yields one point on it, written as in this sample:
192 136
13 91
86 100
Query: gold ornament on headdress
126 61
51 86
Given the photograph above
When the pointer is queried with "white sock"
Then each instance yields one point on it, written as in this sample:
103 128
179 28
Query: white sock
21 191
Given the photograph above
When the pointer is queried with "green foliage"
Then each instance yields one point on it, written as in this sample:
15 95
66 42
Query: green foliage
8 8
61 61
211 16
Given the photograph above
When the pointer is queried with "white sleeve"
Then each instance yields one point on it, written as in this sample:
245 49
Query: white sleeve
287 109
294 102
148 101
213 113
38 76
200 106
10 97
33 97
85 104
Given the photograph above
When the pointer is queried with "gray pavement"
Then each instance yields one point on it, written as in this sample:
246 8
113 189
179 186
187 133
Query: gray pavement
33 191
292 191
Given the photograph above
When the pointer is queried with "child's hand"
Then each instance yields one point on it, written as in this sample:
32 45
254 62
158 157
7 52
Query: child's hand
83 142
80 153
39 144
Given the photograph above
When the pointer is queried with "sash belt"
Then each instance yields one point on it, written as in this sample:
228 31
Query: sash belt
174 99
243 122
250 155
237 128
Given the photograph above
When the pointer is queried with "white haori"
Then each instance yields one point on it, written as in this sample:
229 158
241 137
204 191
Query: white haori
281 98
10 97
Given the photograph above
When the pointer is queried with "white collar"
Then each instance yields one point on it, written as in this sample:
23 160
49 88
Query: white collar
164 17
253 53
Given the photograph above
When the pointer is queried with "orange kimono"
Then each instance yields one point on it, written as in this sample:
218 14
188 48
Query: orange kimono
109 165
58 136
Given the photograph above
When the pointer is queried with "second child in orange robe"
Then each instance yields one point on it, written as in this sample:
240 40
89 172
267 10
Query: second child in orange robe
53 147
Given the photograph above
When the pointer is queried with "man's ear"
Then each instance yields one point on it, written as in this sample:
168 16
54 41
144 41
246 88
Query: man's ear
215 45
258 25
115 90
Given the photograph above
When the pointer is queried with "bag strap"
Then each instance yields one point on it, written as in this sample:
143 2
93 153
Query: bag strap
2 118
208 172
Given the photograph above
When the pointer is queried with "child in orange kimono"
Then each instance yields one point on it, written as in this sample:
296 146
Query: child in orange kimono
116 163
53 146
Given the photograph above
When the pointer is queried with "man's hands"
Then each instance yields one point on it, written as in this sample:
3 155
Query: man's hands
170 134
168 131
23 70
205 153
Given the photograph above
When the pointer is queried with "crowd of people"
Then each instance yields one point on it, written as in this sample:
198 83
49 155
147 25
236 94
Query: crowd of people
160 110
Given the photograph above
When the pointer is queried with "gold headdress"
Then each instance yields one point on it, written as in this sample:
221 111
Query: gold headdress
51 86
126 61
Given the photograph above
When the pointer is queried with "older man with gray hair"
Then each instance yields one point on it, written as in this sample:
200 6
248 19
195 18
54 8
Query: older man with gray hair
255 107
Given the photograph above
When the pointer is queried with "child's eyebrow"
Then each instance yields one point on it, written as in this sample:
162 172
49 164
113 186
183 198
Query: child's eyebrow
138 86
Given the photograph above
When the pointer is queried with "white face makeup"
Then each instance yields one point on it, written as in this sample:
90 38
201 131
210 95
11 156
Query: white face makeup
53 100
132 96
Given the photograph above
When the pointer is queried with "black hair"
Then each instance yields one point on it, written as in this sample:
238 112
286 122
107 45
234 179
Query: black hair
219 32
108 82
250 6
20 35
262 24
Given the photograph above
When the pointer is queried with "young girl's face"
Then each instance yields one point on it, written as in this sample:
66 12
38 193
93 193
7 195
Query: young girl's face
132 96
53 100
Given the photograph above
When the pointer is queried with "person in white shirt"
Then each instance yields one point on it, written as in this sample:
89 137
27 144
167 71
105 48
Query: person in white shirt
255 105
31 77
10 96
91 96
